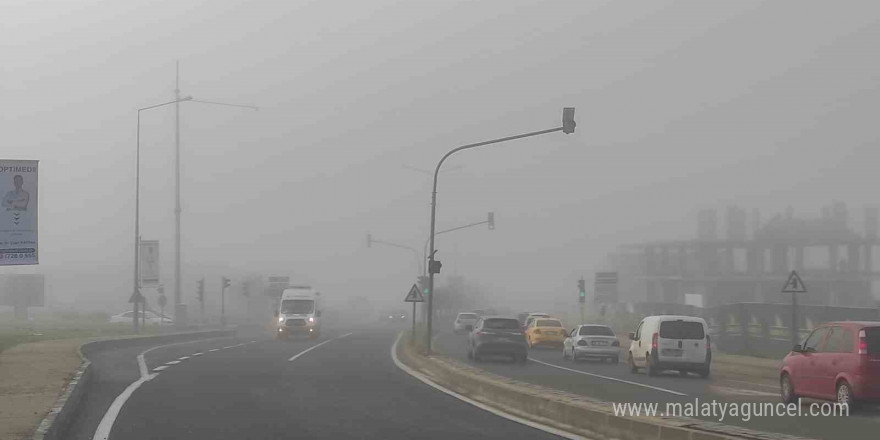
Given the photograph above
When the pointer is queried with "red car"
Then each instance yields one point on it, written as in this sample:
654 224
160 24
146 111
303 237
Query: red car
838 361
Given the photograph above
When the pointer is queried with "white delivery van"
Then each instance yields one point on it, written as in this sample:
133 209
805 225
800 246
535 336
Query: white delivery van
669 342
299 312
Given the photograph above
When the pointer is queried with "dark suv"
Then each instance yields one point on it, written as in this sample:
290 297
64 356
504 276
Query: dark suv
499 336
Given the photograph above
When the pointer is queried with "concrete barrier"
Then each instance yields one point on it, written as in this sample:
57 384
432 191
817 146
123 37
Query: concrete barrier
576 414
56 423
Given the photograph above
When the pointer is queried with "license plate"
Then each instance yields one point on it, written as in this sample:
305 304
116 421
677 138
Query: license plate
504 340
599 343
674 352
551 333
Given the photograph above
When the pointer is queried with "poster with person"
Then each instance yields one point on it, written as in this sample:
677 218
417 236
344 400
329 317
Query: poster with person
18 212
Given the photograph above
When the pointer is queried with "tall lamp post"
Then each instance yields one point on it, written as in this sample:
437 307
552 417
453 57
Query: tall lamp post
568 127
136 294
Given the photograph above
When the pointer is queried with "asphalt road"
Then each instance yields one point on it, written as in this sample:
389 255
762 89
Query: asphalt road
615 383
343 385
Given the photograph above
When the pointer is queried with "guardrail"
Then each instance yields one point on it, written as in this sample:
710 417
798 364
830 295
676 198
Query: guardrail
56 423
575 414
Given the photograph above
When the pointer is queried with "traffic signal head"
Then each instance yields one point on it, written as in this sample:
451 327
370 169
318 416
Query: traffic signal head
226 282
201 290
491 220
435 266
245 289
369 240
568 123
423 283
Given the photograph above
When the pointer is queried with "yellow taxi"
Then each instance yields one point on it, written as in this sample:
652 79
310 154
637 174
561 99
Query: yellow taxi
545 331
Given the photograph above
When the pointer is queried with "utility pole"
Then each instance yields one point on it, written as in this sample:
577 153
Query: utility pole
179 311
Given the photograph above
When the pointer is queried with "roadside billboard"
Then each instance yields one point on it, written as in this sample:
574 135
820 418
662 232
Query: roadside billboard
22 290
18 212
149 263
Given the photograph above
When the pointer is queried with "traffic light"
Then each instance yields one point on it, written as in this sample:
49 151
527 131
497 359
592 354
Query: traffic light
369 240
582 291
491 220
423 283
568 123
245 289
201 290
225 281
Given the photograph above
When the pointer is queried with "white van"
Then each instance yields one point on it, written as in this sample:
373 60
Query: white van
669 342
299 312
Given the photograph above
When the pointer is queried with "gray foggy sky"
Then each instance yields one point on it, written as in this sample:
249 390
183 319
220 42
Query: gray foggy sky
680 105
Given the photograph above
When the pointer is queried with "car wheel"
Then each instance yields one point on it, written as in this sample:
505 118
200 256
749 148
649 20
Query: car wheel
476 356
470 354
682 373
632 363
845 395
564 354
704 372
573 355
523 358
615 360
649 366
786 389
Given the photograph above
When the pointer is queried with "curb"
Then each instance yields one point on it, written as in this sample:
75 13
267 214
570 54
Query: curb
56 423
572 413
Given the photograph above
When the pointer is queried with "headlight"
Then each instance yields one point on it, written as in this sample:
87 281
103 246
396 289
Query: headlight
280 319
311 319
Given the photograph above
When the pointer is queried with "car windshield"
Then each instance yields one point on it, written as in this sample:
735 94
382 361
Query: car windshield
682 330
548 323
501 324
595 330
468 316
297 306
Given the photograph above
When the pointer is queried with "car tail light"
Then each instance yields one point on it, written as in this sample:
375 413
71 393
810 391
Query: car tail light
863 342
708 343
616 343
582 342
654 340
479 333
537 332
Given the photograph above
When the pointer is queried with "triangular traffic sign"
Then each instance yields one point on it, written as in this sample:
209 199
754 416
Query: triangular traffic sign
414 295
794 284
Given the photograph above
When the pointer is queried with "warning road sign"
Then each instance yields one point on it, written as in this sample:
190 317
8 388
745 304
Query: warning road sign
794 284
414 295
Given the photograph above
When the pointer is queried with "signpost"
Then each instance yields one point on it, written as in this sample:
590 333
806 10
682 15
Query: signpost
149 262
606 287
18 212
794 285
414 296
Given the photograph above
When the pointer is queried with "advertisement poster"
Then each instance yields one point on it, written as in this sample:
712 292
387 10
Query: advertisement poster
18 212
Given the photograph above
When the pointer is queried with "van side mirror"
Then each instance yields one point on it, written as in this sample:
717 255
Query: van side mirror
797 348
318 314
276 313
632 336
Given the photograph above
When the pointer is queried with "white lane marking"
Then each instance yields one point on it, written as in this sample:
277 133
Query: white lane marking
197 354
252 342
741 392
160 368
172 362
214 349
609 378
497 412
142 363
183 358
316 346
103 431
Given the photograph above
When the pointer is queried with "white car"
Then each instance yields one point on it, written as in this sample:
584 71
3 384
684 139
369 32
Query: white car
591 341
464 322
150 318
669 342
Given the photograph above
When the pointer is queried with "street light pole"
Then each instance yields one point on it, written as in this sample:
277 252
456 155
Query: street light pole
178 301
567 127
137 207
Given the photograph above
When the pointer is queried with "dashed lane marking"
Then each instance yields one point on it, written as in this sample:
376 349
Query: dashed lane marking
160 368
172 362
316 346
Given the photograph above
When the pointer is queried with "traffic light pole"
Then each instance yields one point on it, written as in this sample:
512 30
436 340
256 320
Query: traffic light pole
223 303
428 241
568 127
